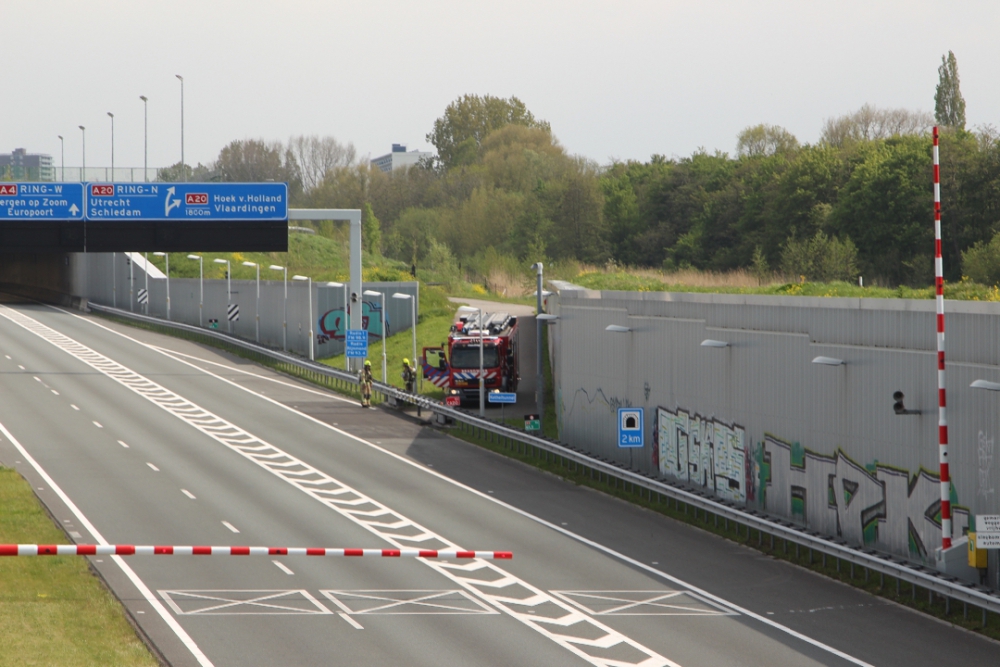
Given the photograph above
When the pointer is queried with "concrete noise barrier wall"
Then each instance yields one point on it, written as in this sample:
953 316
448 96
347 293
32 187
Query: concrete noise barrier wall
749 417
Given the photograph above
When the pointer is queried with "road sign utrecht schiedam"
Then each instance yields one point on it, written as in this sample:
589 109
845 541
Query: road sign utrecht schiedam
187 201
41 201
630 427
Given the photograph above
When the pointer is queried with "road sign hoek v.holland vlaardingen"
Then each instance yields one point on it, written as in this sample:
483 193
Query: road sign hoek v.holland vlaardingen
630 427
41 201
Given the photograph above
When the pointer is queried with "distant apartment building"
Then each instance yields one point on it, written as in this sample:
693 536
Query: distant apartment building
399 158
24 166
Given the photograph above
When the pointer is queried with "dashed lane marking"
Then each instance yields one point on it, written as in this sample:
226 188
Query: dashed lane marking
230 526
154 468
122 443
565 625
281 566
188 494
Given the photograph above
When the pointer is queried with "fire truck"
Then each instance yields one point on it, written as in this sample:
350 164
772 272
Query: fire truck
454 366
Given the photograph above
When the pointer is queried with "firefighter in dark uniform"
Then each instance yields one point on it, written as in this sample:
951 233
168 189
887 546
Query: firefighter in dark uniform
409 375
366 384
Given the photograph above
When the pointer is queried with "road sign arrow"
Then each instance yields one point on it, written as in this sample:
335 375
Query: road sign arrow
168 204
73 209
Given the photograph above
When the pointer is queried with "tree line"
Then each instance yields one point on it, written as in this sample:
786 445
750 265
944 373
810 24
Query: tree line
502 189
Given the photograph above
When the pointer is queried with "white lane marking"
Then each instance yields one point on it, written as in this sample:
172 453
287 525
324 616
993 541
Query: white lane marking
129 572
38 379
611 552
579 538
155 469
55 392
7 355
188 494
21 367
98 425
563 624
282 567
355 624
283 383
73 406
122 443
230 526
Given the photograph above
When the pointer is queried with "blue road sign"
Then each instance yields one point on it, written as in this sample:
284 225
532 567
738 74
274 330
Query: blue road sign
630 427
502 397
41 201
187 201
357 343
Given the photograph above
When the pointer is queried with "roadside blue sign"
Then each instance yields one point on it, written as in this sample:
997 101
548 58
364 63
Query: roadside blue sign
502 397
357 343
41 201
187 201
630 427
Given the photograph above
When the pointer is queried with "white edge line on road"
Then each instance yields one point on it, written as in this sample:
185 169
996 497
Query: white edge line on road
230 526
129 572
281 566
188 494
122 443
155 469
347 617
308 390
579 538
73 406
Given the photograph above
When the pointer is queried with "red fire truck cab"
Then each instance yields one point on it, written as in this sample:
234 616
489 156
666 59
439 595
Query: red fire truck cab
454 366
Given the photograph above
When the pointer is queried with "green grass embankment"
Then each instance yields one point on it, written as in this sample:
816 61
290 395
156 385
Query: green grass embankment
53 610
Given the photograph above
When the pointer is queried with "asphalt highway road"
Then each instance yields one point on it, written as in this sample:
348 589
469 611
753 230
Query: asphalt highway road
132 437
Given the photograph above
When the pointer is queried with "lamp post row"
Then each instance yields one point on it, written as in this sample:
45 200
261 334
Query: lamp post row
145 143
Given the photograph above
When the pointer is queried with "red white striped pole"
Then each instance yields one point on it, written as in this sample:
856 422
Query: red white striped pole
133 550
942 418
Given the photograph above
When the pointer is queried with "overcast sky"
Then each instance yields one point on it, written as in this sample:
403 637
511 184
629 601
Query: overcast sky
616 79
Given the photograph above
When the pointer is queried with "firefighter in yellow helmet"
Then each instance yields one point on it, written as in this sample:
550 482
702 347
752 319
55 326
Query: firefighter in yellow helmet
409 375
366 380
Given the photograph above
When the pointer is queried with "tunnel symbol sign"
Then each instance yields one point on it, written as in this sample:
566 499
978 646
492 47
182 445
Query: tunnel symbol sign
630 427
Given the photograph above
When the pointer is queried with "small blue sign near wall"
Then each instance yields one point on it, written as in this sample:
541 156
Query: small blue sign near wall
357 343
630 427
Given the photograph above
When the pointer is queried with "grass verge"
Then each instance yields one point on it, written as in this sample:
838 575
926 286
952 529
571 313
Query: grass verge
53 610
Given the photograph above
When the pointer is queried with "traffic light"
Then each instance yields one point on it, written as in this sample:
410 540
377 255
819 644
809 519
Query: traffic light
898 406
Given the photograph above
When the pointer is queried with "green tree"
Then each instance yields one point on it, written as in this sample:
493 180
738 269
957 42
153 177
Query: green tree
981 262
371 230
255 161
467 121
823 258
949 105
761 140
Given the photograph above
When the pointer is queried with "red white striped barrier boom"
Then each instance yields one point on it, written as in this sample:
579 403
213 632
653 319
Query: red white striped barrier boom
133 550
942 403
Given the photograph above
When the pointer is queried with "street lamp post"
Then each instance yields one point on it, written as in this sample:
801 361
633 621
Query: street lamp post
309 287
112 116
167 258
183 170
413 327
347 362
482 380
145 138
114 280
83 171
539 372
201 285
62 154
385 369
229 289
256 309
284 320
131 283
146 258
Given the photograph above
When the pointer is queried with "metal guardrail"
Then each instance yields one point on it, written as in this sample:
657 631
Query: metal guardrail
949 588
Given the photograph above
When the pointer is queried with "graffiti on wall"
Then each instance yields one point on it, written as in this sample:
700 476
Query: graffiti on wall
831 494
863 504
705 452
333 323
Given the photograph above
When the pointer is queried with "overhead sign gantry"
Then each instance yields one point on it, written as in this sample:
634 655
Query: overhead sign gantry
109 217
